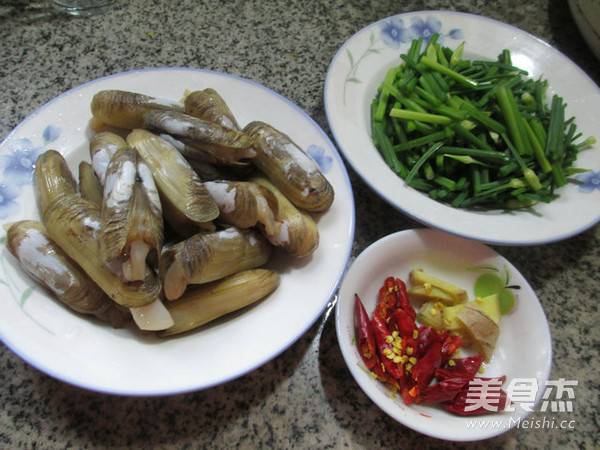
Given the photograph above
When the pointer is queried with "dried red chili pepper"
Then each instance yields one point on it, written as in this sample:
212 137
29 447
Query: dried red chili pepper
423 371
403 301
403 323
381 332
460 367
426 337
366 339
388 299
443 391
451 344
471 402
392 296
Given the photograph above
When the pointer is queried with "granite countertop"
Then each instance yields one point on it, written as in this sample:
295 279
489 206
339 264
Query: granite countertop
306 397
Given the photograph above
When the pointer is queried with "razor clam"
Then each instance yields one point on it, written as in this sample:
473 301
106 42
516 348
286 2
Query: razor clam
187 204
204 303
103 146
125 109
207 167
205 140
243 204
209 105
46 263
53 178
210 256
89 185
297 233
132 221
290 168
74 223
194 153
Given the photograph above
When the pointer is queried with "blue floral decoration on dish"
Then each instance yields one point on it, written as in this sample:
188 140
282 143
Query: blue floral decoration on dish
8 204
17 167
318 154
430 26
590 181
393 33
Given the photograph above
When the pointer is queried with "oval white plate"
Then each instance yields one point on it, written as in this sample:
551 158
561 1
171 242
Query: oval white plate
358 69
524 348
97 357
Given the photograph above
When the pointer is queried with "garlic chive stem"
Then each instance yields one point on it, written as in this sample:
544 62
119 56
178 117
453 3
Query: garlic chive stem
505 101
423 117
430 151
538 150
449 72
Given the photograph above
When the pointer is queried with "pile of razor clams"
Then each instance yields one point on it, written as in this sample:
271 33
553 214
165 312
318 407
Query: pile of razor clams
173 219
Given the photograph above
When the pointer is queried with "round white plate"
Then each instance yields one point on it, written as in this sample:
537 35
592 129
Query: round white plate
97 357
358 69
524 348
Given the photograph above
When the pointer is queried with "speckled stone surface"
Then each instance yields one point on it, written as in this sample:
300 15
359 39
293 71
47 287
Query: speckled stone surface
306 397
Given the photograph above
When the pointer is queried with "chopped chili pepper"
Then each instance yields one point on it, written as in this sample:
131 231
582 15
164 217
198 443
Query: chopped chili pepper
366 338
443 391
423 371
470 401
392 296
402 322
452 342
388 299
460 367
403 301
427 336
386 348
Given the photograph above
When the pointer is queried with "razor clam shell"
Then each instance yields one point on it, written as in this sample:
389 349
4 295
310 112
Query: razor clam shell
186 202
207 104
204 303
206 166
89 185
125 109
221 157
103 146
74 224
246 204
237 203
290 168
209 256
53 178
131 207
46 263
298 233
208 139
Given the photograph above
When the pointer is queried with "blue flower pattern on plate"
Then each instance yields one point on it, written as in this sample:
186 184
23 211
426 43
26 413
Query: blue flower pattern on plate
17 168
8 204
393 33
590 181
430 26
318 154
51 133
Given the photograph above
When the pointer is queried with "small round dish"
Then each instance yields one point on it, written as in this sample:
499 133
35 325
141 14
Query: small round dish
91 355
523 351
358 69
587 18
